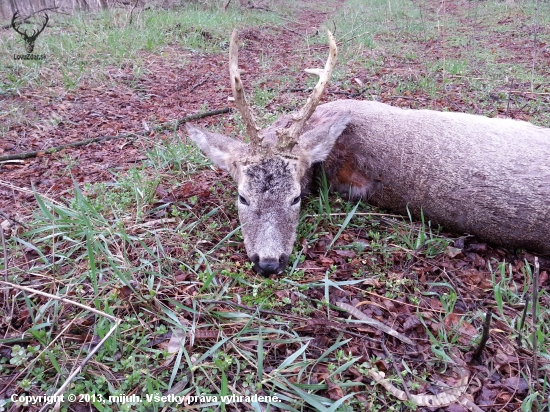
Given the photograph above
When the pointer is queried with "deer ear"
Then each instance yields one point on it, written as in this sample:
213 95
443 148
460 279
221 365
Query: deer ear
221 150
318 141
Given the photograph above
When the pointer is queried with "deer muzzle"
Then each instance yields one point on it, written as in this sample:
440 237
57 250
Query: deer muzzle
269 266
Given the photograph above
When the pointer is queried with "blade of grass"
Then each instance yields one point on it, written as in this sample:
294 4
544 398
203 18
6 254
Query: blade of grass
343 226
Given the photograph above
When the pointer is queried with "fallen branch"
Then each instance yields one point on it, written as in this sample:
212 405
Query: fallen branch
476 356
163 126
526 92
373 322
536 274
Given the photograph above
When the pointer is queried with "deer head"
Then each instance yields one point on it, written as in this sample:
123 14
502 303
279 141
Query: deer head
28 38
270 169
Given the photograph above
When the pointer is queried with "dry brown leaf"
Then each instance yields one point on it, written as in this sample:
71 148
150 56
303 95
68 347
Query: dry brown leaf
334 391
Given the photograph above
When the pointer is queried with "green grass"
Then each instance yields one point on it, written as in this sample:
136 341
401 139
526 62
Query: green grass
158 251
426 51
109 248
80 48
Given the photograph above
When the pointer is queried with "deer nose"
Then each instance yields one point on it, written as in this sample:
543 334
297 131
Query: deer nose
269 266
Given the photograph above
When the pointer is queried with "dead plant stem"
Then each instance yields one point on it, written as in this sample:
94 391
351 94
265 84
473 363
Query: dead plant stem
535 323
49 295
535 45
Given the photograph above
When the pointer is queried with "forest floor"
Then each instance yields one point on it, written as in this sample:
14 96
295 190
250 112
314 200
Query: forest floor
146 226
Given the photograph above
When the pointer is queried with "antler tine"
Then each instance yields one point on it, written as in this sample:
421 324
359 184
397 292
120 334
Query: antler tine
252 129
46 20
14 23
289 137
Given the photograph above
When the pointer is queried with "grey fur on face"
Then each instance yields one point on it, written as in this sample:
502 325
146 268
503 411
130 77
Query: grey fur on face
269 206
270 186
269 170
270 175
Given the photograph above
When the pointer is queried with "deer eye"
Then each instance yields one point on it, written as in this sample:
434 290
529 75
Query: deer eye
243 201
296 200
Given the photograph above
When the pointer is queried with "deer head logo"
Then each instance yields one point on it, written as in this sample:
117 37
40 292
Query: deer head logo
28 38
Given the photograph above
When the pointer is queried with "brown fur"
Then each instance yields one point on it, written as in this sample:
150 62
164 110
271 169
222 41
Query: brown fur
470 174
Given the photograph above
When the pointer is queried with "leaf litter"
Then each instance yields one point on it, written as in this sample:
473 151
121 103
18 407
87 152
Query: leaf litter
407 298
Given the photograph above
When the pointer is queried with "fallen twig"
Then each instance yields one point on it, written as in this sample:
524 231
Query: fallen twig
55 297
17 222
116 321
342 42
28 191
5 251
522 320
292 31
163 126
334 325
534 314
131 13
373 322
396 368
484 337
267 312
199 83
61 390
48 295
226 5
526 92
356 214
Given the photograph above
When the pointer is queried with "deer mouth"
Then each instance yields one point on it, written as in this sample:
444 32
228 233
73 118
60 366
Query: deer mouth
269 266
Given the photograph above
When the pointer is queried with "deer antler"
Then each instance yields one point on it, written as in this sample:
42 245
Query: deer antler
252 129
28 38
289 137
46 20
16 25
35 32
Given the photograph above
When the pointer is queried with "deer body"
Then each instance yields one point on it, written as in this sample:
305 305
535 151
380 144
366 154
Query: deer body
470 174
487 177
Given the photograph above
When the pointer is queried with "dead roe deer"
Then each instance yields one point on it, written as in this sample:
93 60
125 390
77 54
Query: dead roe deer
471 174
